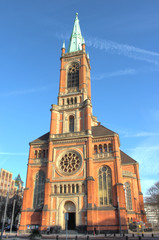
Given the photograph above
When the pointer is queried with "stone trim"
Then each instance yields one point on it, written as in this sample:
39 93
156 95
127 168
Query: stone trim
128 174
100 139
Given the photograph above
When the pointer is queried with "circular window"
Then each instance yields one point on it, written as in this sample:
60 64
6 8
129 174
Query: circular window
69 163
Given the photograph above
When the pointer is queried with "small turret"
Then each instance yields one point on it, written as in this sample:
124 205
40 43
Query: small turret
63 47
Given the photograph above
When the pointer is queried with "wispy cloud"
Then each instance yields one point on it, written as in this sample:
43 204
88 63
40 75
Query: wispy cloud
118 48
147 156
127 134
114 74
123 49
12 154
23 91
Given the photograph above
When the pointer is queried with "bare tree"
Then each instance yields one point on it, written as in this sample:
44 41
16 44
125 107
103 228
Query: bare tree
153 193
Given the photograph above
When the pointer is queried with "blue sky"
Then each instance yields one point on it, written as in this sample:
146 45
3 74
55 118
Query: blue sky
122 40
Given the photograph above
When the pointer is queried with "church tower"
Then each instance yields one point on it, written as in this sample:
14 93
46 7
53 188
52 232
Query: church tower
77 169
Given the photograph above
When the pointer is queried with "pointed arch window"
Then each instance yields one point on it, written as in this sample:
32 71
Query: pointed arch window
39 188
105 186
128 197
73 76
71 124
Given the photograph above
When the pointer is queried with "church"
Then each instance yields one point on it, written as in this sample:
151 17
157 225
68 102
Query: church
77 173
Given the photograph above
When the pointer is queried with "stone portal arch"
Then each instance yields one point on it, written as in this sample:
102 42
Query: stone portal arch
70 215
68 207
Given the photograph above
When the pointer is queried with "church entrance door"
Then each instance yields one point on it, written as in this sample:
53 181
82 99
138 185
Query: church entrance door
70 209
71 221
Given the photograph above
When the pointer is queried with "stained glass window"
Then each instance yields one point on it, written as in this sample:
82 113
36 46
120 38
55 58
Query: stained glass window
105 186
128 196
39 188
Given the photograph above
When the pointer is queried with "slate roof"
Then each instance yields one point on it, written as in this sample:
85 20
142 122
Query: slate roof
125 159
100 130
96 131
41 139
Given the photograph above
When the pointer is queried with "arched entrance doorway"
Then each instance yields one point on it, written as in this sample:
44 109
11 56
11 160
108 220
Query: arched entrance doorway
70 209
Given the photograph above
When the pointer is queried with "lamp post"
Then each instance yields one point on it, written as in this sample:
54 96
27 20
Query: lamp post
5 210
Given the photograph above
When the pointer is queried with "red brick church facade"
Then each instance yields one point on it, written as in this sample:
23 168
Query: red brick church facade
78 167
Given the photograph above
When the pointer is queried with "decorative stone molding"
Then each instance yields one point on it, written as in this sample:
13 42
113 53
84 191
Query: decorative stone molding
128 174
102 139
106 156
40 160
68 135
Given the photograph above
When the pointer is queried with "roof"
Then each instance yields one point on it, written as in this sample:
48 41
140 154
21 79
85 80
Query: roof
100 130
41 139
76 38
96 131
125 159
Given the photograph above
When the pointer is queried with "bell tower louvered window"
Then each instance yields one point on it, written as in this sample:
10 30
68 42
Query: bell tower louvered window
73 76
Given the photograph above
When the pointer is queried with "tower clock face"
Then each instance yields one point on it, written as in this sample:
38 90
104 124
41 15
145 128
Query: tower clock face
69 163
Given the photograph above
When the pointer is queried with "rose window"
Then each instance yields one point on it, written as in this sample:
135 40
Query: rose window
69 163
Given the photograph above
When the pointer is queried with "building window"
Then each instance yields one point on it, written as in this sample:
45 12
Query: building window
36 154
105 147
39 189
128 198
73 188
105 186
100 148
110 147
71 123
73 76
39 154
95 149
43 153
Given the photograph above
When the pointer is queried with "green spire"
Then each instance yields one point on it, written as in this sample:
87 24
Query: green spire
76 38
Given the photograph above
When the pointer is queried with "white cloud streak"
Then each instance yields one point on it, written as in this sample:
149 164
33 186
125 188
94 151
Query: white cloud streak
139 134
12 154
23 91
123 49
147 156
119 48
114 74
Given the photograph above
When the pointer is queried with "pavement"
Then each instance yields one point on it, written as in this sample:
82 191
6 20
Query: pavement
129 236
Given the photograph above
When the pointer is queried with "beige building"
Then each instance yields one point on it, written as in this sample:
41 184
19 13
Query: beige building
6 184
152 213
